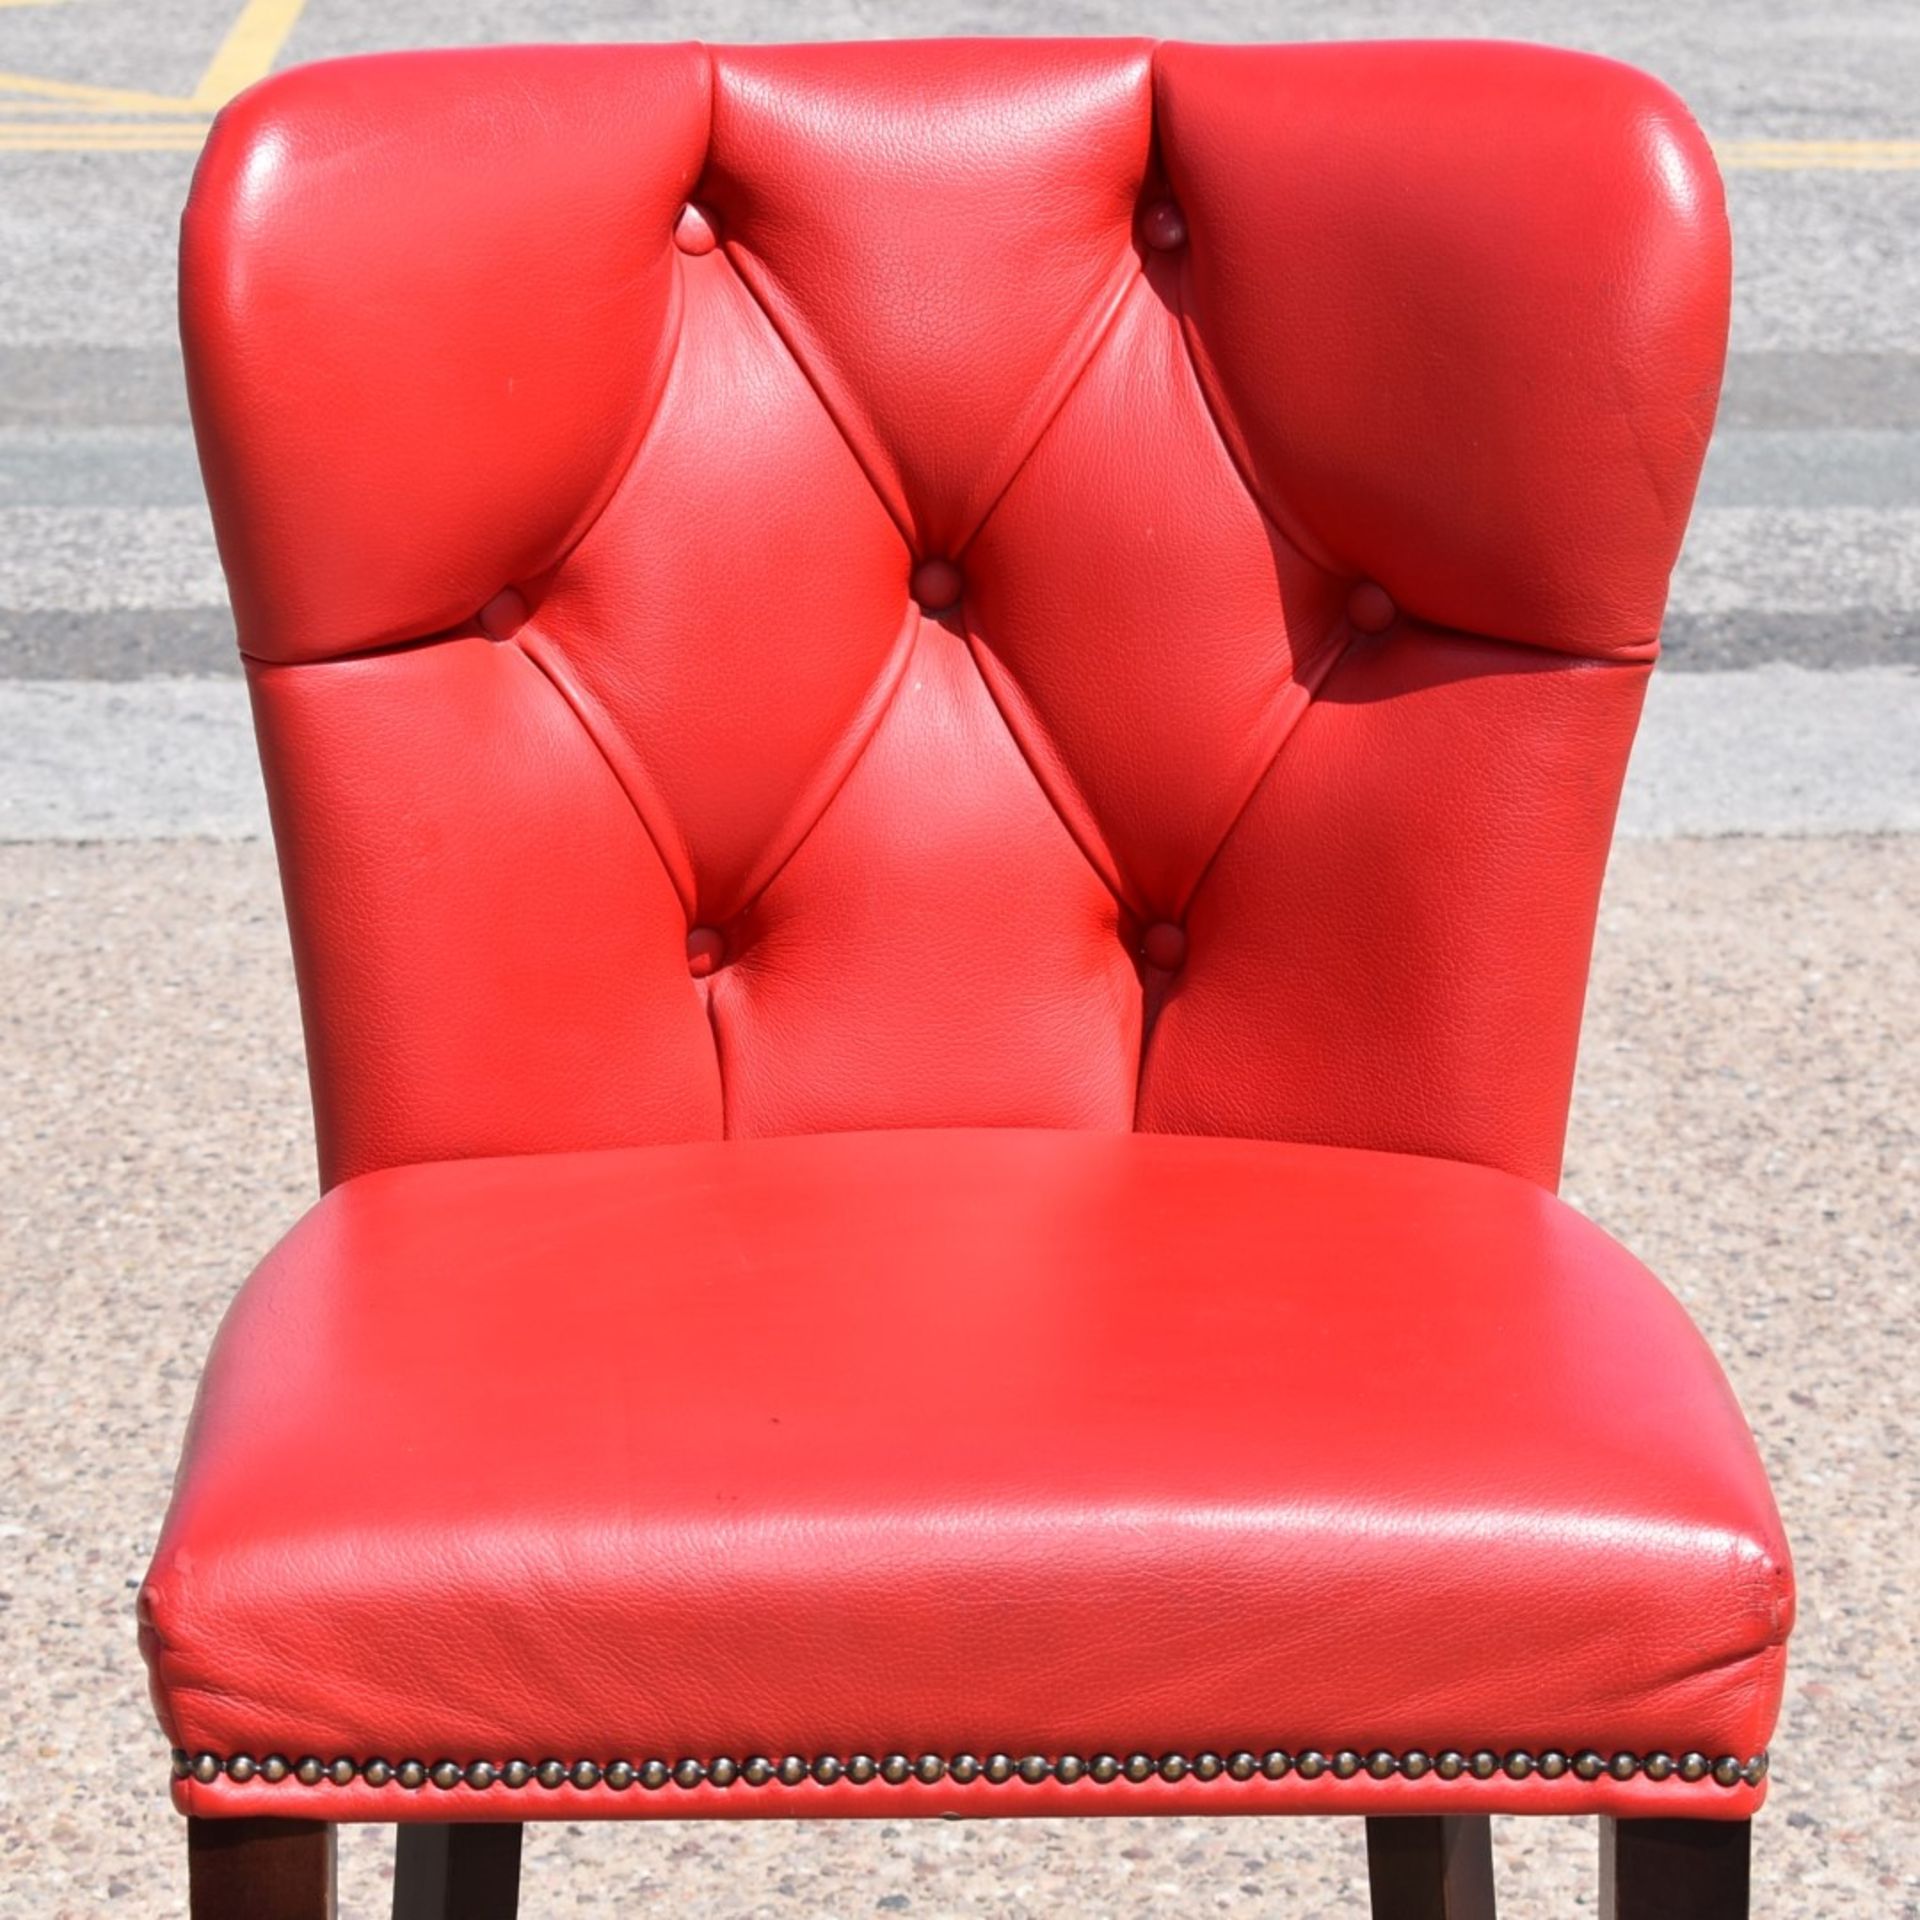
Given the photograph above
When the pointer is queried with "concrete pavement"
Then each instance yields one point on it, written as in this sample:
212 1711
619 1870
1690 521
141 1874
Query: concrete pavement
1744 1119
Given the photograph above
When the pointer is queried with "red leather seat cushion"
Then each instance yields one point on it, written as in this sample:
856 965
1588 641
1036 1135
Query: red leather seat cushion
945 1443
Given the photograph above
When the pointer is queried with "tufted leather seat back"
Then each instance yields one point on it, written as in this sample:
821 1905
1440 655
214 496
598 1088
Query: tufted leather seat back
1083 585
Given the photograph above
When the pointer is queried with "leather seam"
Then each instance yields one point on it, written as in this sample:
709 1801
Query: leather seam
766 311
892 677
1318 673
1125 283
1114 884
620 473
977 643
625 470
705 989
576 702
1308 549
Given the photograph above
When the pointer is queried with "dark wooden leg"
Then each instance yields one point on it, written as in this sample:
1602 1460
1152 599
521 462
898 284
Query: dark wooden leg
260 1869
1674 1869
456 1872
1427 1867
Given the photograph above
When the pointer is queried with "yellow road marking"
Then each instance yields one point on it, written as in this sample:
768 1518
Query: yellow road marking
260 29
99 98
248 51
246 54
134 139
1787 156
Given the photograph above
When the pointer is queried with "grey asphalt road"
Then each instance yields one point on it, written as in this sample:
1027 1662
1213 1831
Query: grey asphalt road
1804 552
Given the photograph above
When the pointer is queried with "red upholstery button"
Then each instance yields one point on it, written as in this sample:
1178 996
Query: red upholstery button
1370 608
706 948
504 615
1163 227
936 585
694 232
1164 946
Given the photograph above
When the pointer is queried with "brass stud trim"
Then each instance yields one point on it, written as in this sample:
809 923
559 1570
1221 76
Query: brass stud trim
1585 1764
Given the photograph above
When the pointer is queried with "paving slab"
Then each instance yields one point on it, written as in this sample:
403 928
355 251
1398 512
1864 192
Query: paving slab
1744 1118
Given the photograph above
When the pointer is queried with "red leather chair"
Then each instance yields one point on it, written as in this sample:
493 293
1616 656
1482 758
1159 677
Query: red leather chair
942 722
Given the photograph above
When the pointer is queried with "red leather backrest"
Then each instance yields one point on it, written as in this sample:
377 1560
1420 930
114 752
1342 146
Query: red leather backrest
1307 432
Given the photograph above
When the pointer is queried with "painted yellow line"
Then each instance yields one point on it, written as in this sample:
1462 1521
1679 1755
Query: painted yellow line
247 53
99 98
1785 156
99 129
134 140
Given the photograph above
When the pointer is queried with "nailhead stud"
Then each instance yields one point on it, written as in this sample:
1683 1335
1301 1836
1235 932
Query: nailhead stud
1729 1770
